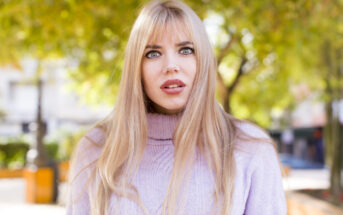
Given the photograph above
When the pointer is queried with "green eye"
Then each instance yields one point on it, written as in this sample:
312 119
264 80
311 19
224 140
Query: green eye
152 54
186 51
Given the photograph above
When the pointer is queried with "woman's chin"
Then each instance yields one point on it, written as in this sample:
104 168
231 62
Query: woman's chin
169 109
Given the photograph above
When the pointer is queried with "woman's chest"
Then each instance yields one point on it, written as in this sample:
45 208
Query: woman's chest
196 194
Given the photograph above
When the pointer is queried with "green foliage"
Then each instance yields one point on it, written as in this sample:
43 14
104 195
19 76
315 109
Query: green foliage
282 40
52 149
293 33
13 155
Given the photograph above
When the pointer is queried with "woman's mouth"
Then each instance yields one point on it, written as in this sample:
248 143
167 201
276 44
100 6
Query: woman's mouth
173 86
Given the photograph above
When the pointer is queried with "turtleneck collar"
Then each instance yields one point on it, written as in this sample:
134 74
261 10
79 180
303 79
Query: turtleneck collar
162 126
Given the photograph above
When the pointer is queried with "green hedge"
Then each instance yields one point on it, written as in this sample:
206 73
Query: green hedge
13 151
13 154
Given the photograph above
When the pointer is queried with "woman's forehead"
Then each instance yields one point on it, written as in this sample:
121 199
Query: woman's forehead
173 31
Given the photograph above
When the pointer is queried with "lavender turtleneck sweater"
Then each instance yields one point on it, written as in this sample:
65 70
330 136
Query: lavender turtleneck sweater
258 185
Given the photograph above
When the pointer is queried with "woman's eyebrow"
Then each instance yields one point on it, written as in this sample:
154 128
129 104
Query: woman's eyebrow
177 44
153 47
184 43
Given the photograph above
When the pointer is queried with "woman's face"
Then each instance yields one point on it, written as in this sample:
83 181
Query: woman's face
168 70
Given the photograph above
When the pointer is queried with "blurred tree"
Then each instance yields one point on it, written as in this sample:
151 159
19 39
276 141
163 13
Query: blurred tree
285 43
318 53
329 39
92 34
263 50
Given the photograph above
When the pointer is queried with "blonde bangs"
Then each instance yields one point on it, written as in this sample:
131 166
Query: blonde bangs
169 23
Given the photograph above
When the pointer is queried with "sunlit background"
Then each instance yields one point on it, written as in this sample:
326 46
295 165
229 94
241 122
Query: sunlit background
280 65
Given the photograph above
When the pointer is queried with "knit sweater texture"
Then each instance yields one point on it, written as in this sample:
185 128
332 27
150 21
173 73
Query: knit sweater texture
258 185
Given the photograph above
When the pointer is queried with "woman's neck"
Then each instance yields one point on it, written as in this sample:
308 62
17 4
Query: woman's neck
162 126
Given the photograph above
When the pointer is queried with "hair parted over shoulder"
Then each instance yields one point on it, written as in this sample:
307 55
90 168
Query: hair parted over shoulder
204 124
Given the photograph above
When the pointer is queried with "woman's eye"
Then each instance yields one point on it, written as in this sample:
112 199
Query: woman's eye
186 51
152 54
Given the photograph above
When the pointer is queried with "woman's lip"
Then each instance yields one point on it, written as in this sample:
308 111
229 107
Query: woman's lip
176 90
169 82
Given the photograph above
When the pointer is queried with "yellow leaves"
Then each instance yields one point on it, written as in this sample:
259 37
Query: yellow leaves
109 54
107 32
228 73
93 56
79 31
228 68
64 14
240 111
340 28
21 35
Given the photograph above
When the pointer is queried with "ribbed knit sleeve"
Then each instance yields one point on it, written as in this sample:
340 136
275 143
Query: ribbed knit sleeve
266 195
87 152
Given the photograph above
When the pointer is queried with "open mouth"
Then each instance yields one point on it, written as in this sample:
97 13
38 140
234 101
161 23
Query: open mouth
173 86
173 83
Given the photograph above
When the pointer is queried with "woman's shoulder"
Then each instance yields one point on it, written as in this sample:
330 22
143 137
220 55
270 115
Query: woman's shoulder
255 150
252 140
96 136
93 139
251 130
86 153
88 149
258 171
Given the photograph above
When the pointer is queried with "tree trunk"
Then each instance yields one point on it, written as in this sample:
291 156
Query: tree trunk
336 163
229 89
328 135
333 136
226 101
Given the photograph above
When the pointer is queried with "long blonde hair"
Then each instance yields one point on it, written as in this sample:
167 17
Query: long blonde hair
204 124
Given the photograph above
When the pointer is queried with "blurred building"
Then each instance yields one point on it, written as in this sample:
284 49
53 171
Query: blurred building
60 108
300 138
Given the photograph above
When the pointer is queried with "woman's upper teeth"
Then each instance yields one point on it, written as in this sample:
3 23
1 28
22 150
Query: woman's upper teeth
172 86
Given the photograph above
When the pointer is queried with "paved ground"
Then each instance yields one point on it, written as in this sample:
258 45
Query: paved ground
301 204
12 192
302 179
12 200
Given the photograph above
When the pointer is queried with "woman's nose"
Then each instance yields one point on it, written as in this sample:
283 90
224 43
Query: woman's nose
173 68
171 64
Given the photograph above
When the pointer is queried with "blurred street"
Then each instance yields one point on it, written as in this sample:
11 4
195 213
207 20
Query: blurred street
306 179
12 200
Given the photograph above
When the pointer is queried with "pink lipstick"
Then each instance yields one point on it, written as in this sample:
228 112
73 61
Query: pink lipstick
173 86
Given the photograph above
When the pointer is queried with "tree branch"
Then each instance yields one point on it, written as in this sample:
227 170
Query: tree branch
223 51
238 76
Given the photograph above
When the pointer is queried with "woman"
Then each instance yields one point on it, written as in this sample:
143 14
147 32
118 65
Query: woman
168 147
